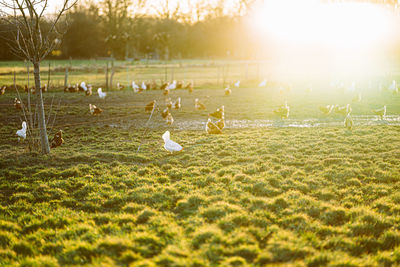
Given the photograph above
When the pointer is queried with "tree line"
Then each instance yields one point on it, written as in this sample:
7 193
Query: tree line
112 28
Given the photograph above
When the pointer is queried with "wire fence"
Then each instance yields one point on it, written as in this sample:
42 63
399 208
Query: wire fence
210 73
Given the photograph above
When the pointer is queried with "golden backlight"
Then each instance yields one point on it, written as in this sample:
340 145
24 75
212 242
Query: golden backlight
306 35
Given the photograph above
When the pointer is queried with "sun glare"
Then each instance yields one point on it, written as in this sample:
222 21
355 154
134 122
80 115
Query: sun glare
345 31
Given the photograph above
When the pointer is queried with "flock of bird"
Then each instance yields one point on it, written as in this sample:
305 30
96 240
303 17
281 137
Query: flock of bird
216 120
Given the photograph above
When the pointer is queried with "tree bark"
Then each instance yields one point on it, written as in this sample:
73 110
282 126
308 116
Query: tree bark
41 116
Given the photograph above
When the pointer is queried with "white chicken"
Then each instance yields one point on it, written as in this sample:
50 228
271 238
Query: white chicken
351 88
135 87
263 83
170 145
102 94
22 133
393 87
83 85
237 84
348 122
177 103
172 86
144 86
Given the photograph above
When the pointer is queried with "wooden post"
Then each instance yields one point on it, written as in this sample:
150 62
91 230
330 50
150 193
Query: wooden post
112 74
107 75
48 78
218 69
166 73
66 78
247 71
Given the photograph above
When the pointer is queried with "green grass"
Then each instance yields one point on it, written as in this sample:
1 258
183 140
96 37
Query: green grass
252 196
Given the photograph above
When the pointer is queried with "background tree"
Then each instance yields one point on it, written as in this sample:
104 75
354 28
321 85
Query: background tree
34 37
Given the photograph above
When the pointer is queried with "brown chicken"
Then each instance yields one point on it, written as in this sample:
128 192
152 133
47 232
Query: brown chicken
221 123
88 92
165 113
177 103
212 128
94 110
120 86
228 91
17 104
198 105
219 114
168 103
179 85
189 87
150 106
169 119
164 86
57 140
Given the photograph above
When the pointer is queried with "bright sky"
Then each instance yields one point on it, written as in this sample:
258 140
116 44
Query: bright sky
152 4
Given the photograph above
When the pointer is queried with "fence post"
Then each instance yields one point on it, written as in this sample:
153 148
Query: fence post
112 74
66 78
48 78
107 75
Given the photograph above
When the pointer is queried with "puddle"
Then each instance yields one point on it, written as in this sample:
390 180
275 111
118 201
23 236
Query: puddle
361 120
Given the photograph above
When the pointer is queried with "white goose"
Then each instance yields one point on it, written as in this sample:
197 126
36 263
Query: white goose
237 84
22 133
170 145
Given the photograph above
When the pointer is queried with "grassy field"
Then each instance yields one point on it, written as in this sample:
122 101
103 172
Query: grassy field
253 196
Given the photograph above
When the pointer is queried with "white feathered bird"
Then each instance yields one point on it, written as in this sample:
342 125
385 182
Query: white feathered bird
393 87
170 145
172 86
135 87
144 87
83 85
237 84
352 87
263 83
22 133
102 94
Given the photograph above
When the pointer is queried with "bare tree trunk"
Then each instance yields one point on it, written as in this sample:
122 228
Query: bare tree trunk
41 116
